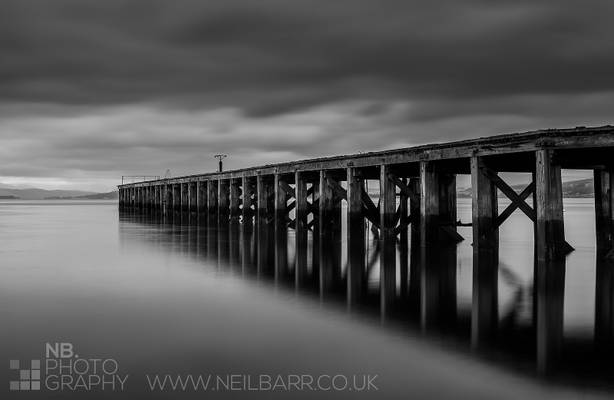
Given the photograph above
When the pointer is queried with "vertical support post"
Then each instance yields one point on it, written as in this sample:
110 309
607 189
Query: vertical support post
167 198
415 249
160 198
176 197
551 251
549 207
604 305
193 192
403 244
235 200
201 200
330 236
484 211
184 197
146 197
223 200
300 191
247 199
356 281
212 197
429 204
281 234
264 194
604 212
429 232
315 243
387 239
437 256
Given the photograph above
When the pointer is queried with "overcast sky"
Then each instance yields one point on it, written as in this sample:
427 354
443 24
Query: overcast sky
94 89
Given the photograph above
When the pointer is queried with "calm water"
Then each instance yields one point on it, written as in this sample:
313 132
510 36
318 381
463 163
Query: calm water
187 298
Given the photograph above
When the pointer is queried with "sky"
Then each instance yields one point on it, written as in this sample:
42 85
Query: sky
92 90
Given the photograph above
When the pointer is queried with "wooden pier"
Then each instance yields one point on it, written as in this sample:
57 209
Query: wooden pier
416 197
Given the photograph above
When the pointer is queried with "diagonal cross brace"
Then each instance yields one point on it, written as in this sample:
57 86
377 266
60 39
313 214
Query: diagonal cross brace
511 194
529 190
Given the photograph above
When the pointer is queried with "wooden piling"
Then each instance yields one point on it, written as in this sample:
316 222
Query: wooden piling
329 222
550 291
356 281
193 196
302 211
201 197
281 230
265 195
549 209
551 251
235 198
177 197
387 237
604 212
184 197
247 213
604 304
212 197
223 199
484 211
315 229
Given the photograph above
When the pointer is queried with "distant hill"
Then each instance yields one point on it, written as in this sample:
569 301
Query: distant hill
579 188
42 194
94 196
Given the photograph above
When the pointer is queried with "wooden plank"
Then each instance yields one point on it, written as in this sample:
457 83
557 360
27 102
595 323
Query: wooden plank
598 137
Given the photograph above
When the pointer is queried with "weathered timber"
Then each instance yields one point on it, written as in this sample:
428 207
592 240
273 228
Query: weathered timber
387 239
356 280
235 198
484 312
604 212
302 210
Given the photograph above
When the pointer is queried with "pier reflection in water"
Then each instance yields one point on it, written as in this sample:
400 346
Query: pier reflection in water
497 311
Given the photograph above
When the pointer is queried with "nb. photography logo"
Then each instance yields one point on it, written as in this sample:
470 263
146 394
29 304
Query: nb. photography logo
61 369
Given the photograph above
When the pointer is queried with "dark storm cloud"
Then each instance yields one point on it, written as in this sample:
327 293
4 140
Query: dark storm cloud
272 56
93 89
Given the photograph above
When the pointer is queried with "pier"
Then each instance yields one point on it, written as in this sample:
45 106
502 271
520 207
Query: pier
407 200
